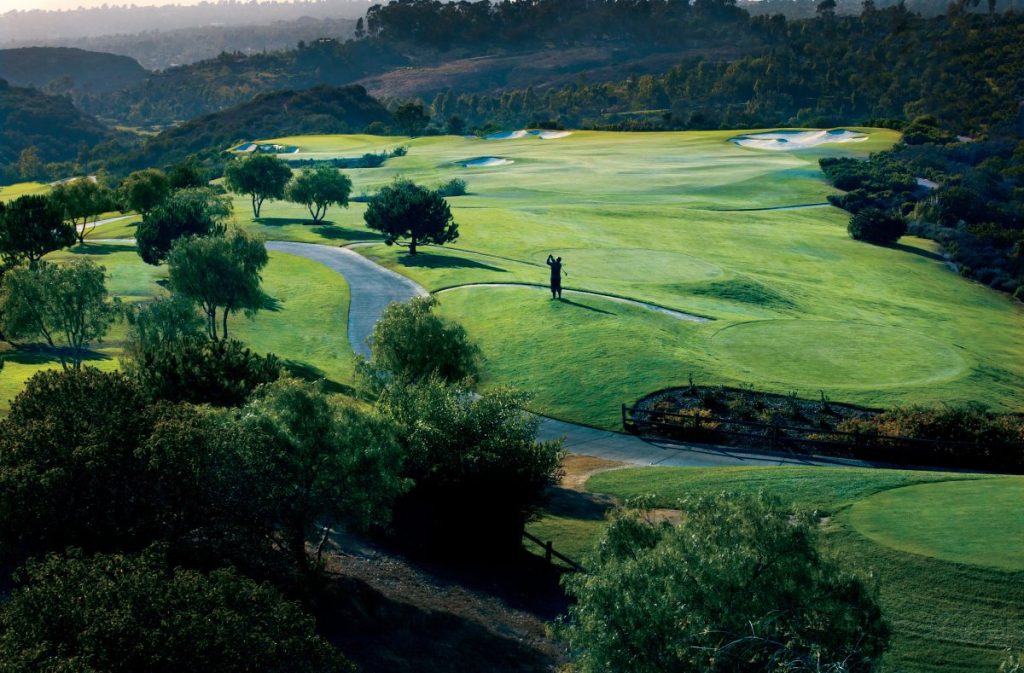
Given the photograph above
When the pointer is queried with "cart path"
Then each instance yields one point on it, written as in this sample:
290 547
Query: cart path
372 288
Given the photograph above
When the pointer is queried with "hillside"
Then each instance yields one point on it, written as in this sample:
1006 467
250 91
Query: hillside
50 124
65 70
321 109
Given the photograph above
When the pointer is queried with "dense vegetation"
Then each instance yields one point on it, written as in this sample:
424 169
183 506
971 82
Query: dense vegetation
970 201
36 128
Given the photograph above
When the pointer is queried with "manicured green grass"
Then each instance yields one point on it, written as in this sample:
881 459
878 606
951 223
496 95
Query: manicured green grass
980 523
825 490
799 306
308 328
11 192
946 617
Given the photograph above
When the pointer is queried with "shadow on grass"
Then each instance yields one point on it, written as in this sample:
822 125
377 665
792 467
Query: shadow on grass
927 254
307 372
333 232
426 260
572 504
88 248
39 354
589 308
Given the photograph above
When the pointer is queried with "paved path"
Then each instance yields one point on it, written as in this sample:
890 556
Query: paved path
372 288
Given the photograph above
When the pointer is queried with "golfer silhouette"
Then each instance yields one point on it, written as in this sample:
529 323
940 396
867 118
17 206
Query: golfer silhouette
556 276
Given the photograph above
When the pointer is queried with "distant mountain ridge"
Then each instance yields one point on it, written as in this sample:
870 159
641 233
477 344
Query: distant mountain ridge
69 70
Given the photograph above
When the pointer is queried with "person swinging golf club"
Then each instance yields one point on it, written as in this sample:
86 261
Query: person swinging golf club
556 276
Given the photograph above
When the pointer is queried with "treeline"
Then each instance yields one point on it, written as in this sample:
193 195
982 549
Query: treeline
965 69
444 26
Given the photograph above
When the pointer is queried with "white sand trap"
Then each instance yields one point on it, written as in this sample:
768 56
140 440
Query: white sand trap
926 183
486 162
507 135
797 140
551 135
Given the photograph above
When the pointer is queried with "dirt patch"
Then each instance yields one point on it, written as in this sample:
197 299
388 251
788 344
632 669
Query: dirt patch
393 615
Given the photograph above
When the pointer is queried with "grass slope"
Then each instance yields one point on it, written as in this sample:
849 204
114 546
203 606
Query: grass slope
799 306
947 617
308 329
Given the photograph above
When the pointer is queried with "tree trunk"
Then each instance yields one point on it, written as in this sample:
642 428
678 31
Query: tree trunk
412 246
225 323
257 203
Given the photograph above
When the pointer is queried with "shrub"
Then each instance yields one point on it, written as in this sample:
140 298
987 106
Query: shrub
454 187
876 226
739 585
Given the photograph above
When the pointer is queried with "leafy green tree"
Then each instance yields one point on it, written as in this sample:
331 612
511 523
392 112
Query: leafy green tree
877 226
412 118
144 190
475 463
324 462
189 174
188 212
169 356
260 176
31 227
219 273
67 476
66 305
739 585
130 613
404 210
318 189
81 200
456 125
410 343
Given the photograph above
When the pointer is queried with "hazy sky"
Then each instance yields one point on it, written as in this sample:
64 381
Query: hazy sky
6 5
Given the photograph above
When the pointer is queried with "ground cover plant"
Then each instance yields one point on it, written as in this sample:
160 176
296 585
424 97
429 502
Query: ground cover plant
947 567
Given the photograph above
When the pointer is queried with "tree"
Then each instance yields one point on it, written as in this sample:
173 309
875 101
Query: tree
411 118
404 210
456 125
318 189
129 613
738 585
219 272
31 227
261 176
826 9
189 174
877 226
144 190
81 200
66 305
66 469
475 463
30 166
188 212
410 343
324 462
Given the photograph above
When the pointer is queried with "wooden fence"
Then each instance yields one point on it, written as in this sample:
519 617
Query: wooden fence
550 554
805 440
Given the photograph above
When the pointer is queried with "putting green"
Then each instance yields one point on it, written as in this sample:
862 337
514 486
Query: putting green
807 352
975 522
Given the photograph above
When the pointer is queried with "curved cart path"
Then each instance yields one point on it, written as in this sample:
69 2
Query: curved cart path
372 288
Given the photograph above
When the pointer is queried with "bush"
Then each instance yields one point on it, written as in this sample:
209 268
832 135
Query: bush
479 472
454 187
124 614
876 226
739 585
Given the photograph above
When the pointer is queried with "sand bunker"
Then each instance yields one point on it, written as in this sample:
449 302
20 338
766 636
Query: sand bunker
797 140
485 162
522 133
269 149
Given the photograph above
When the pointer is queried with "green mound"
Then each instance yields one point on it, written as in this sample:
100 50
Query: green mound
975 522
836 353
634 266
744 291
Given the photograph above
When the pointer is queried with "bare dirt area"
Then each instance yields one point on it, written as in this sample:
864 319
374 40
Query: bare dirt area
540 69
